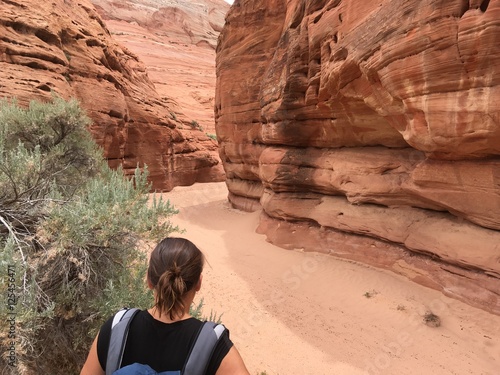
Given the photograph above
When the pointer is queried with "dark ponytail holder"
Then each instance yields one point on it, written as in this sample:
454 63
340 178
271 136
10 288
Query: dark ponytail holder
175 272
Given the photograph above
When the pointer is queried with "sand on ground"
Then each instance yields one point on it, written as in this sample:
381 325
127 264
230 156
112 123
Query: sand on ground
291 312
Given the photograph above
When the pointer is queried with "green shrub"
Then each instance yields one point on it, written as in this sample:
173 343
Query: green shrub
196 311
195 125
212 136
70 227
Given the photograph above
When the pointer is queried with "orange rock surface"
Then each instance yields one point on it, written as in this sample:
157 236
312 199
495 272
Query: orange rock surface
176 40
64 47
373 119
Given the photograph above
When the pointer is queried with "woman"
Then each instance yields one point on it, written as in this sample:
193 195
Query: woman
162 335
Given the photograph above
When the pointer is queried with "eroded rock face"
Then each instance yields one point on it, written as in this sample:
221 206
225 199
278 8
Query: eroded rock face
176 40
358 126
64 47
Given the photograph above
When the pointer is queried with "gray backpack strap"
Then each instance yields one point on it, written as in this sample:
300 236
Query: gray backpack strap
201 352
118 338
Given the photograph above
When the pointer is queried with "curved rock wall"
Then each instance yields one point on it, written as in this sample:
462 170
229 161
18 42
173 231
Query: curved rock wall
63 47
369 130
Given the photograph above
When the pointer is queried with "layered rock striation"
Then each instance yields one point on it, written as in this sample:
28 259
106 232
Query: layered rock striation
176 40
369 130
64 48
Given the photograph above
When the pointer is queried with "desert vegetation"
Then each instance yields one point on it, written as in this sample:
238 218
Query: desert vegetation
70 228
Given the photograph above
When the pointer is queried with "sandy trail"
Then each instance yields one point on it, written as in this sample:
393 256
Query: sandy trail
291 312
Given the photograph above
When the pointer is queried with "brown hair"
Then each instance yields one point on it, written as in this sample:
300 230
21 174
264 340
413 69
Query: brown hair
174 269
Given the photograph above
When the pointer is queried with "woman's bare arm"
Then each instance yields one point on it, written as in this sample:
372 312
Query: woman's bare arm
232 364
92 365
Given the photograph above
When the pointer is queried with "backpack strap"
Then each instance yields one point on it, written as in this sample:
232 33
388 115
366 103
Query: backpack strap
118 338
203 348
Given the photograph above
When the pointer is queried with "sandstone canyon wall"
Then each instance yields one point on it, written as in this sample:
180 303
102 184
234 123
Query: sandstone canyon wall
370 131
176 40
64 47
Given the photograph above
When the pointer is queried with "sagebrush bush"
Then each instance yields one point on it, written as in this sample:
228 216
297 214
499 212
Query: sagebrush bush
70 227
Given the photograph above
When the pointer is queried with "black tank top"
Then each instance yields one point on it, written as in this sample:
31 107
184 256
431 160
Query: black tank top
163 346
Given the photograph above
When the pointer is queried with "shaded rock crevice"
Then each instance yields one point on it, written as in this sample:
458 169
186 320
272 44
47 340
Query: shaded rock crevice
484 5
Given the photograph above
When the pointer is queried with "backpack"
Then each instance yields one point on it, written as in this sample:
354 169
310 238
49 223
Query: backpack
196 362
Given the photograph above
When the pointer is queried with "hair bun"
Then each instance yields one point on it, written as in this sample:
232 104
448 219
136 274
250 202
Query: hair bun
175 271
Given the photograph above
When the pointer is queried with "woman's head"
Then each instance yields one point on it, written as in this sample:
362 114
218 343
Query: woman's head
174 270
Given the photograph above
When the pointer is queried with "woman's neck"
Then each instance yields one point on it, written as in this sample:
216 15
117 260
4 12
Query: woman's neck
165 317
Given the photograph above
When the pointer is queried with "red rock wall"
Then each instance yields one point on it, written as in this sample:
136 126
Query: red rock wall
176 40
369 130
64 47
